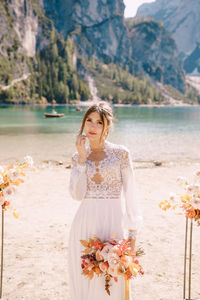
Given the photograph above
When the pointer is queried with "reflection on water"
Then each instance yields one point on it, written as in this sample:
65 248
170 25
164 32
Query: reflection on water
166 133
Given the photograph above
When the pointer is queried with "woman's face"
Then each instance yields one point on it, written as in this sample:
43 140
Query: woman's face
94 126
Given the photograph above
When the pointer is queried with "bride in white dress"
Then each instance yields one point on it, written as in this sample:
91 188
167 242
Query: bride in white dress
102 179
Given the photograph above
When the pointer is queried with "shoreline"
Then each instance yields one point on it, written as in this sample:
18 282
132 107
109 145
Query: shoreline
137 164
88 103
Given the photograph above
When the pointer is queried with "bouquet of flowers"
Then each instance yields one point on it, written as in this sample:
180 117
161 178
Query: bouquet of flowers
10 177
187 203
111 259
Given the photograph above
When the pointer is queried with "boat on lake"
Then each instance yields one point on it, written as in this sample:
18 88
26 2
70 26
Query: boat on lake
78 108
53 115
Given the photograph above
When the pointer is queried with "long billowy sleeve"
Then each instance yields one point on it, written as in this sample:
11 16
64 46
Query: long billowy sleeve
78 179
132 217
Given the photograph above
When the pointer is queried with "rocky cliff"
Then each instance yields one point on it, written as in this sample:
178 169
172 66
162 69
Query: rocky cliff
14 40
97 26
23 30
192 62
18 19
156 53
180 17
25 25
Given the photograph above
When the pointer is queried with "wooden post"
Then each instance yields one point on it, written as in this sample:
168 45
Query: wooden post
2 240
185 259
190 260
187 284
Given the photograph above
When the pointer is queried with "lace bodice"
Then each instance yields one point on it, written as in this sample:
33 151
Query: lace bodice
112 177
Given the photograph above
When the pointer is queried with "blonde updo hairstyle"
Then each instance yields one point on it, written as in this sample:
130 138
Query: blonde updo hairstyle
106 116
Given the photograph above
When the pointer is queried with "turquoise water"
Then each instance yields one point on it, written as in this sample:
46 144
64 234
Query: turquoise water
165 133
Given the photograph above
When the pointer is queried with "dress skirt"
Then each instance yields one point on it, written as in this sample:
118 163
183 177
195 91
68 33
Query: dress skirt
101 218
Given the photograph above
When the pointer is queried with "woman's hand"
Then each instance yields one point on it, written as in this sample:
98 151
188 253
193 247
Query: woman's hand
132 238
132 243
80 146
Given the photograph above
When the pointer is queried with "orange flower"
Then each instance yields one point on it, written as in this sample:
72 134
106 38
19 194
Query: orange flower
97 244
91 274
84 243
164 205
134 268
97 270
103 267
99 257
10 167
16 215
18 181
185 198
190 213
125 260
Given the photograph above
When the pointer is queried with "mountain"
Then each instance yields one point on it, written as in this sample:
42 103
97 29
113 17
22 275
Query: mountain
180 17
159 9
18 31
156 53
44 45
192 62
21 33
36 63
96 26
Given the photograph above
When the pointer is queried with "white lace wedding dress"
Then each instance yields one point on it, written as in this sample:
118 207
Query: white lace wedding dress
108 206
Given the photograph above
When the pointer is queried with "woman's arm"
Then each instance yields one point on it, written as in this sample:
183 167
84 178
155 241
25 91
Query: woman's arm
132 217
78 179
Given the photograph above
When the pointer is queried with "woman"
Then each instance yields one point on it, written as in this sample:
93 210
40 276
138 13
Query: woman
100 172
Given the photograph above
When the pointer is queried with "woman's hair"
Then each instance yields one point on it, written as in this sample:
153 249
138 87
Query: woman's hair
105 112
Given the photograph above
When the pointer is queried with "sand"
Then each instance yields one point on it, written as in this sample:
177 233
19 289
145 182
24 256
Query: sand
36 244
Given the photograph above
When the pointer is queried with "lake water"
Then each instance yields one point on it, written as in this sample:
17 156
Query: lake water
165 133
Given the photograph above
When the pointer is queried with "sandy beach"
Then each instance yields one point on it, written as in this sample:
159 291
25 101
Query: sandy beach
36 244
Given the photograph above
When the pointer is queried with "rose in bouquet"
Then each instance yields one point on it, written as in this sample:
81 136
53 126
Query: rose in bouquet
187 203
111 259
